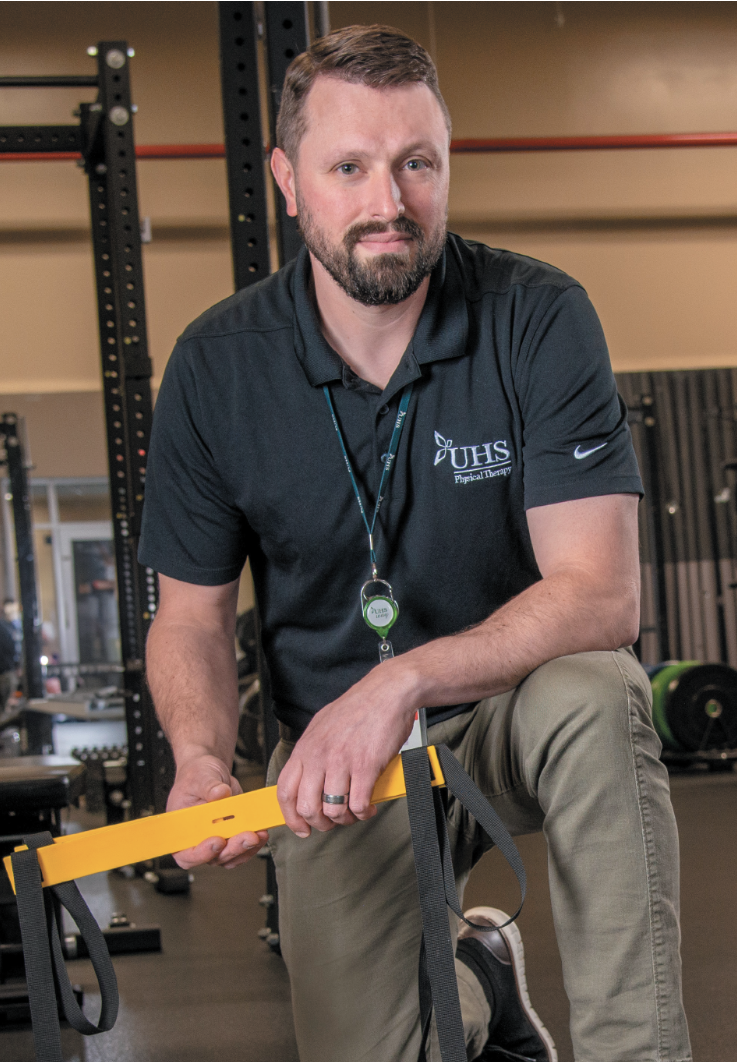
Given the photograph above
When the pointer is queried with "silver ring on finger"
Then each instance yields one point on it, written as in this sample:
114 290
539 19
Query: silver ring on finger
332 798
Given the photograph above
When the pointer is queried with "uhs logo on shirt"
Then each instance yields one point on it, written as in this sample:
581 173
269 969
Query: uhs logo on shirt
472 463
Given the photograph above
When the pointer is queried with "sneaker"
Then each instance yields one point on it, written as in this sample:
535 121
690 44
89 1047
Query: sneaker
516 1033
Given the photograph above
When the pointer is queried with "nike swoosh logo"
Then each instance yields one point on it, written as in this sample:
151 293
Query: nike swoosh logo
579 454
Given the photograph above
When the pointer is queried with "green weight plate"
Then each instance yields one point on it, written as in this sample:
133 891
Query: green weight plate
660 684
701 708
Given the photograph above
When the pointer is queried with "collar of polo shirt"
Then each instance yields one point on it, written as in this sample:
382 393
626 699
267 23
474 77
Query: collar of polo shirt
441 332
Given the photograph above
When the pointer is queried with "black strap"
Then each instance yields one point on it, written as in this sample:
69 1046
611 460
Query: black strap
470 796
33 912
438 990
439 965
45 969
437 987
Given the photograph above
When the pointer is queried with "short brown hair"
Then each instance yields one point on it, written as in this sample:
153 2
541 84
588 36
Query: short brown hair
377 56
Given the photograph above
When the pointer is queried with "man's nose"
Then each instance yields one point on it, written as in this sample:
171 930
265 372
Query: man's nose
385 202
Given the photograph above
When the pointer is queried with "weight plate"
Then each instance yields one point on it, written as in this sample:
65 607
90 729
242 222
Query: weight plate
701 708
661 679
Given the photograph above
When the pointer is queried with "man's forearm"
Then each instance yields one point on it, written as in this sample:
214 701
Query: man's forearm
191 668
557 616
191 671
587 553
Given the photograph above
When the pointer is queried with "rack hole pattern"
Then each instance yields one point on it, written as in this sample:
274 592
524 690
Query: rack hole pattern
245 143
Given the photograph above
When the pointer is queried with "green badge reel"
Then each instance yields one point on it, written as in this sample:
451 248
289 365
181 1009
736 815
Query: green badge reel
378 606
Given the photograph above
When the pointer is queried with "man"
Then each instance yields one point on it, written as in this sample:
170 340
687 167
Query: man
507 535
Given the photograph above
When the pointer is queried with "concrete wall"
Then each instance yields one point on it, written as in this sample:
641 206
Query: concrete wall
649 233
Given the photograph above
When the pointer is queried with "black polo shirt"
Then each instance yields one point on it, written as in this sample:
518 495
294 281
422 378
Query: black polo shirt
513 406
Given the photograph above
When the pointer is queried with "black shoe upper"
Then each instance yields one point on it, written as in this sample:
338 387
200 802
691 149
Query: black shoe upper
511 1034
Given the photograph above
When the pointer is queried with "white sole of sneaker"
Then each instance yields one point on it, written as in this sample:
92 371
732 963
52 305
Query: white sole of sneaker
514 943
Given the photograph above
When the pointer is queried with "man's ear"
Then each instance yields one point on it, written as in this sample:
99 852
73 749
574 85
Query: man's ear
284 175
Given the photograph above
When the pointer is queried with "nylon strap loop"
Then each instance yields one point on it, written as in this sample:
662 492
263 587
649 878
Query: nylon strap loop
437 986
46 971
33 913
470 796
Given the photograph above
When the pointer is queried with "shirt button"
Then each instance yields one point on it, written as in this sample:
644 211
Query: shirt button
384 410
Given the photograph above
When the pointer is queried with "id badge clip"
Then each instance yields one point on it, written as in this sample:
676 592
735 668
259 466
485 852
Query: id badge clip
378 606
380 610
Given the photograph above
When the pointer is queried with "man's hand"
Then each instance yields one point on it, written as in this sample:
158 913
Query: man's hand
344 750
199 781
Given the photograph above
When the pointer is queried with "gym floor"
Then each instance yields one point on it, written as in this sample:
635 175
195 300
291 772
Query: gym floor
217 992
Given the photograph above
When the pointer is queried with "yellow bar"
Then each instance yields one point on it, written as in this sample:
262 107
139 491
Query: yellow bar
78 854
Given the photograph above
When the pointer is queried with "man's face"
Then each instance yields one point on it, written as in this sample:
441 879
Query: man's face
371 186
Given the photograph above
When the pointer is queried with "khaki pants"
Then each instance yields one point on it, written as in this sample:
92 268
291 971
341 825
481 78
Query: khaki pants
572 752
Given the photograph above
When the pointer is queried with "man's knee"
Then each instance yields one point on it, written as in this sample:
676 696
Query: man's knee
588 708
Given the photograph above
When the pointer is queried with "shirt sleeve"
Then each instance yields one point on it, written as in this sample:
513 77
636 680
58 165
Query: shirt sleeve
191 529
576 439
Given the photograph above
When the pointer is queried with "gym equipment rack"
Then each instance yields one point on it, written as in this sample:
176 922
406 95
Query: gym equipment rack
104 138
684 433
16 462
286 30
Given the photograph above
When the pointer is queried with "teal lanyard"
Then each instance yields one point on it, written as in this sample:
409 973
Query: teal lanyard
389 459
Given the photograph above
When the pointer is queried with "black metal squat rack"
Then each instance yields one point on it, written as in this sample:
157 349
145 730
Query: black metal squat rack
104 137
15 462
286 30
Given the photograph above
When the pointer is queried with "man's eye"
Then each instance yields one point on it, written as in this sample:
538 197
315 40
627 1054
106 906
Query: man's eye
416 164
347 168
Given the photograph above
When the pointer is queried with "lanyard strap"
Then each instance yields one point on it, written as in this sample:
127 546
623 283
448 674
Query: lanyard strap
390 456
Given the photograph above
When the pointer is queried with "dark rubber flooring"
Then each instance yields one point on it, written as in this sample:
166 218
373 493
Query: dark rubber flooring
216 992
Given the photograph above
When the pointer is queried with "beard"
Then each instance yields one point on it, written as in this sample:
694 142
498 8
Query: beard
384 279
